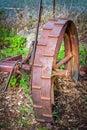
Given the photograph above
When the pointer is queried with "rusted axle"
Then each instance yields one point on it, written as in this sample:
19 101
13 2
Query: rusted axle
6 66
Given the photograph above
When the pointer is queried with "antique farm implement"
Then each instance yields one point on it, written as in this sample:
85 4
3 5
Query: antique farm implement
43 65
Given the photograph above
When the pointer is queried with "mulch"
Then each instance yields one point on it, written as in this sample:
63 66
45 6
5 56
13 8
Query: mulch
69 110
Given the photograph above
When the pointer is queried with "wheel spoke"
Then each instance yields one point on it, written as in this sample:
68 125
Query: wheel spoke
64 60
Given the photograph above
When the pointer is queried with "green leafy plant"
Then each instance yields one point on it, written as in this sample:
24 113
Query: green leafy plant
27 110
24 83
10 43
22 121
42 128
5 31
13 52
13 82
4 125
2 12
61 54
85 100
16 46
82 55
17 41
56 114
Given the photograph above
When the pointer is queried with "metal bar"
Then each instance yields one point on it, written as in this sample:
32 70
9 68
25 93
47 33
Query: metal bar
6 66
64 60
37 31
14 58
54 3
9 77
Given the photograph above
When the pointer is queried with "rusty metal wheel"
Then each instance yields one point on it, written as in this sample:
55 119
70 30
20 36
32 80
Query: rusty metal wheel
46 64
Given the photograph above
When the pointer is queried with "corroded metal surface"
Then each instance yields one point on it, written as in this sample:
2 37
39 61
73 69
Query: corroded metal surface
83 71
45 62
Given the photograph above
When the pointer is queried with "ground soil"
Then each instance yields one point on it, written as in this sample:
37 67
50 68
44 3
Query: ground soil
69 110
